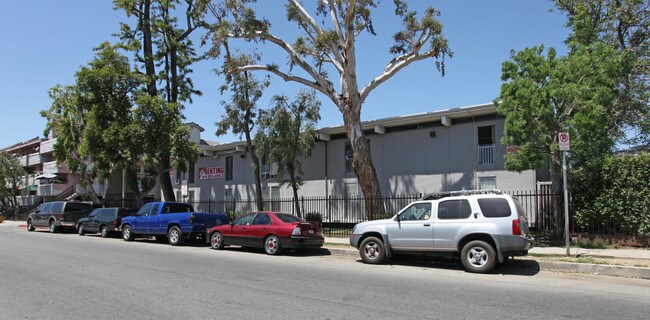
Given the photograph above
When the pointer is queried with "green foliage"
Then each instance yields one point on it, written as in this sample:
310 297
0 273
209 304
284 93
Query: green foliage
623 25
544 95
623 197
314 217
91 117
11 178
287 134
159 43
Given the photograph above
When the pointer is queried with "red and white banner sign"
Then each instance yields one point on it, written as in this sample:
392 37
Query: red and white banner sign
207 173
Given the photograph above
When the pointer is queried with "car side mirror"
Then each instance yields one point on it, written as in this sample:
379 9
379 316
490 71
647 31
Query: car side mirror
397 218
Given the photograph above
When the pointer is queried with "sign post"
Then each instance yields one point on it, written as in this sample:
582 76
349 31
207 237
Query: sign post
564 144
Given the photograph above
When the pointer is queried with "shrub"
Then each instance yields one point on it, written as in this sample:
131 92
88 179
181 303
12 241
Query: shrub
622 197
314 217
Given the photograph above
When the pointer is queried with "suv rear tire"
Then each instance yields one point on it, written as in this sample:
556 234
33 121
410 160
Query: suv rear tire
478 257
372 250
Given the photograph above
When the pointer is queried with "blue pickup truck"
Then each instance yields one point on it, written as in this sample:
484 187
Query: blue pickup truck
173 221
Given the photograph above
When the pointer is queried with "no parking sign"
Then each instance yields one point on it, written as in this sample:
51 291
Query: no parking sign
564 141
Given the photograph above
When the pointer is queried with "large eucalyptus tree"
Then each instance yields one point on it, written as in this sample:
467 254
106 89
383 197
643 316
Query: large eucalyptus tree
324 58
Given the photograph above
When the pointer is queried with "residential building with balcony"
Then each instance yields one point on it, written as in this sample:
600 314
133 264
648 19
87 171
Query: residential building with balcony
454 149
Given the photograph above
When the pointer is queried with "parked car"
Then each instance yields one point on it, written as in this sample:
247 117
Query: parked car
105 221
58 215
483 227
173 221
273 231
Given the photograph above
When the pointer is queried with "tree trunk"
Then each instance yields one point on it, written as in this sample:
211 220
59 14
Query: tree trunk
362 163
164 178
256 168
294 186
147 47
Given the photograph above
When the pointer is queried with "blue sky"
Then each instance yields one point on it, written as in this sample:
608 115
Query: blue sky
45 42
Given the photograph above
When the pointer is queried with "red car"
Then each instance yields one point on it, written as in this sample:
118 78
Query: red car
272 231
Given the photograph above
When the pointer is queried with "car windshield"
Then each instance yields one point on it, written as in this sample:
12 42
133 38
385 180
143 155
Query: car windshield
285 217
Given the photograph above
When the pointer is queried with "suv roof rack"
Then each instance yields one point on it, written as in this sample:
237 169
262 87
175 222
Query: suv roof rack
440 195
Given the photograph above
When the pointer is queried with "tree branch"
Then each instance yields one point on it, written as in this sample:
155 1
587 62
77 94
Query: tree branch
322 81
338 62
287 77
393 67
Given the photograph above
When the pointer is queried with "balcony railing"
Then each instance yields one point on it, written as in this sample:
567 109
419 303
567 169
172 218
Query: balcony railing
52 189
29 160
47 146
52 168
486 154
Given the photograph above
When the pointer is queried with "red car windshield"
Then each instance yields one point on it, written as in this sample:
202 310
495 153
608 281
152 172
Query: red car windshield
288 218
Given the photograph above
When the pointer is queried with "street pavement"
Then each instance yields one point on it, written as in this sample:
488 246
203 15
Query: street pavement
336 246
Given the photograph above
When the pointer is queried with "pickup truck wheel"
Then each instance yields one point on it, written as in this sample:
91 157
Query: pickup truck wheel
103 231
127 235
216 240
30 225
478 256
53 228
272 245
372 250
175 236
80 230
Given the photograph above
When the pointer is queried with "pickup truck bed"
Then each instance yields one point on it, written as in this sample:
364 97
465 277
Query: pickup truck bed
176 221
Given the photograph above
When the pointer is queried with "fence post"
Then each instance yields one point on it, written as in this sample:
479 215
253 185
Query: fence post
302 207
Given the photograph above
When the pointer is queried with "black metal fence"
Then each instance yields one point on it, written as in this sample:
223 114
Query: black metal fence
339 214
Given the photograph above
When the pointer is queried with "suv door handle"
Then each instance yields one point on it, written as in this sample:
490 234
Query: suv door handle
427 224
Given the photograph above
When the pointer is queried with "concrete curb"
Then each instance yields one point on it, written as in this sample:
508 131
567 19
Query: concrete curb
595 269
566 267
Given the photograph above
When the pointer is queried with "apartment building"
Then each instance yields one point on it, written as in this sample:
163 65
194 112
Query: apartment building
454 149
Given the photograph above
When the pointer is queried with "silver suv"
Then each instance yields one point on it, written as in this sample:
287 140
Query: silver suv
485 227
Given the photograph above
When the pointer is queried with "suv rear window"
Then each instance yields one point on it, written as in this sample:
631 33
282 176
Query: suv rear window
74 206
454 209
494 207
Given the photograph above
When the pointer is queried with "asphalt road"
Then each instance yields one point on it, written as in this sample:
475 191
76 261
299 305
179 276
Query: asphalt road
65 276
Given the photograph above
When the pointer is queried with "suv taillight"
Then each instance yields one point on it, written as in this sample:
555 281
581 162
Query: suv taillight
516 230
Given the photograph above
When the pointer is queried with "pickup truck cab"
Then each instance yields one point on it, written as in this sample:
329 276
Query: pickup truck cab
57 215
175 221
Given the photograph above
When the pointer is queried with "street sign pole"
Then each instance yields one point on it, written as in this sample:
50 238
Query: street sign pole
566 205
564 146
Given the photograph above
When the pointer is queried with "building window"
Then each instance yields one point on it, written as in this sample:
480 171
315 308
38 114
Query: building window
229 168
486 145
348 157
271 197
487 183
191 172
